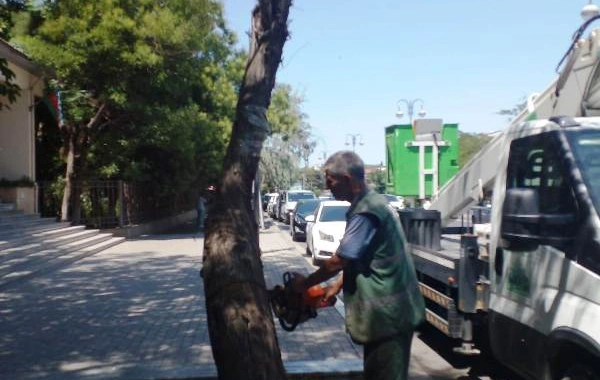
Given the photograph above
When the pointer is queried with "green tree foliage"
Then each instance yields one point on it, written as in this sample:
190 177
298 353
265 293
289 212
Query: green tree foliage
377 180
8 89
287 150
148 88
314 180
7 10
515 110
469 144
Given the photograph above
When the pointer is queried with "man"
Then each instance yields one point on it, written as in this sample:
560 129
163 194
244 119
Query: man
381 296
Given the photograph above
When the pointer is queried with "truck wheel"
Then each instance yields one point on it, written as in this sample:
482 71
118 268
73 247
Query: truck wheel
580 372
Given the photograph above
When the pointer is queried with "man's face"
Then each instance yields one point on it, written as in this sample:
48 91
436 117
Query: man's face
339 185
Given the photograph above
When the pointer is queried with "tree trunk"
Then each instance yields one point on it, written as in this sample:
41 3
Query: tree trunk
66 206
240 322
77 146
77 141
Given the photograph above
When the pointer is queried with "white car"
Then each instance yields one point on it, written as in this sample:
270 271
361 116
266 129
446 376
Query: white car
325 228
396 201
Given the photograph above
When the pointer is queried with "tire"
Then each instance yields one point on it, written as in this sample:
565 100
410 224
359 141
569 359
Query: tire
580 371
293 232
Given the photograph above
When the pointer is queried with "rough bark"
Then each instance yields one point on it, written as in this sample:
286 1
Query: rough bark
240 322
77 140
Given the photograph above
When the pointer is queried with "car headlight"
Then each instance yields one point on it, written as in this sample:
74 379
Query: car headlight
326 237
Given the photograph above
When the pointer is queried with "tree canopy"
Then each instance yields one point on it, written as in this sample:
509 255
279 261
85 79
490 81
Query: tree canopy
290 145
148 91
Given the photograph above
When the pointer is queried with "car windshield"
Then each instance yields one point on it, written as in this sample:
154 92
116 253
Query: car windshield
333 213
307 206
585 147
294 197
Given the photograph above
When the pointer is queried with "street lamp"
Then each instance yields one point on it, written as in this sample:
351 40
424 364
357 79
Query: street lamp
589 11
410 108
351 139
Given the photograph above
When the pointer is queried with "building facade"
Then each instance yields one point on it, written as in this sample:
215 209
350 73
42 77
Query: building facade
17 128
412 170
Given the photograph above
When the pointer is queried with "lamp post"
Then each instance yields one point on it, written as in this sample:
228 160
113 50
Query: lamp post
410 108
351 139
589 11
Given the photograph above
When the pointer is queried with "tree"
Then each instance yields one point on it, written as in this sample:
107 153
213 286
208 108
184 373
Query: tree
143 68
515 110
9 91
314 180
289 146
377 179
238 310
469 144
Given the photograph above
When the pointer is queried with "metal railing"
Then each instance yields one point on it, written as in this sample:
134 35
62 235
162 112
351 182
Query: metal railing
112 203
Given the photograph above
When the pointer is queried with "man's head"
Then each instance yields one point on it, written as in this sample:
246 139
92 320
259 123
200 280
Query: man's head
345 175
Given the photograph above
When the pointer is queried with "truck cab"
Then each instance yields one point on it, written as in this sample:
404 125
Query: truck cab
544 272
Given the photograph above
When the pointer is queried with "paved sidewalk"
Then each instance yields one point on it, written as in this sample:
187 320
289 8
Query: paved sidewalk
136 311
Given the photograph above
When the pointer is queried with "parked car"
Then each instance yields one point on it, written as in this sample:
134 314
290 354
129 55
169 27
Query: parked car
272 206
303 208
266 198
325 228
396 201
287 202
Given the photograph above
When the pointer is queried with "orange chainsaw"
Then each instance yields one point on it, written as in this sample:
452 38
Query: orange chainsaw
292 308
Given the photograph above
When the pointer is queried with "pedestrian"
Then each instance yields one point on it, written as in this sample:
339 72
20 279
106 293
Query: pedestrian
382 300
201 212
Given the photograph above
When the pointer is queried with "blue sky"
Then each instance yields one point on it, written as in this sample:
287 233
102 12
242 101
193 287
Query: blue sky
353 60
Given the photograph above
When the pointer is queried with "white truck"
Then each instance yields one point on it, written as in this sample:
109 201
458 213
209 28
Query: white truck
530 275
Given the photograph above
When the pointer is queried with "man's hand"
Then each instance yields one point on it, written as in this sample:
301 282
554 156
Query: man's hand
298 283
332 290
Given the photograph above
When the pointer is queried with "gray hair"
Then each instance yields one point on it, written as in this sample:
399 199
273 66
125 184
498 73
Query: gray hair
345 162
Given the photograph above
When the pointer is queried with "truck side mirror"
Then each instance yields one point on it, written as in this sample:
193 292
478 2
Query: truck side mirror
524 227
520 219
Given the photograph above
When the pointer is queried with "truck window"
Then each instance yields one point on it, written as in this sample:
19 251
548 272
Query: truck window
535 163
586 146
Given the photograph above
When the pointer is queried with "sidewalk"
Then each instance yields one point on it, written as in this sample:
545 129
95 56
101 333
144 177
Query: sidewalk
136 311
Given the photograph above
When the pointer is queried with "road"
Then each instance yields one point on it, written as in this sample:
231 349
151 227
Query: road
432 356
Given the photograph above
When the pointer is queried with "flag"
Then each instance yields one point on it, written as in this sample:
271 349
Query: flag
53 102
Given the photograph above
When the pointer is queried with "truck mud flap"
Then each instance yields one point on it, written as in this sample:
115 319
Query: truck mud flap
450 326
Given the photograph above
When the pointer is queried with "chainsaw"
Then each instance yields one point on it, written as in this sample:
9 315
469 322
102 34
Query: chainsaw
292 308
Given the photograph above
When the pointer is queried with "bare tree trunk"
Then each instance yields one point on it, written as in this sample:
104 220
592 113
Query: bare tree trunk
77 138
240 322
66 206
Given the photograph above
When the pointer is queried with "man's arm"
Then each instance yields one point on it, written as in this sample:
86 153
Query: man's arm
330 268
357 237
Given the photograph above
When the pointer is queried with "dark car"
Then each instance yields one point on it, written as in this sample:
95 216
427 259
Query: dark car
303 208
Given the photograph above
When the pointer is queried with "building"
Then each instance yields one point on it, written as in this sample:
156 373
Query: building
17 130
412 168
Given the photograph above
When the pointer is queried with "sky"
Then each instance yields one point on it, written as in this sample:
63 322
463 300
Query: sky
353 61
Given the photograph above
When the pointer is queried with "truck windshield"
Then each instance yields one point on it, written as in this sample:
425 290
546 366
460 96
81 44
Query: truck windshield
586 148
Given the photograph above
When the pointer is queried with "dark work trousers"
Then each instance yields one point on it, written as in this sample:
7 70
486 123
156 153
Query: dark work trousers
388 359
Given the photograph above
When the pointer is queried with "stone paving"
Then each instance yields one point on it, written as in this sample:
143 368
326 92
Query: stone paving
136 311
